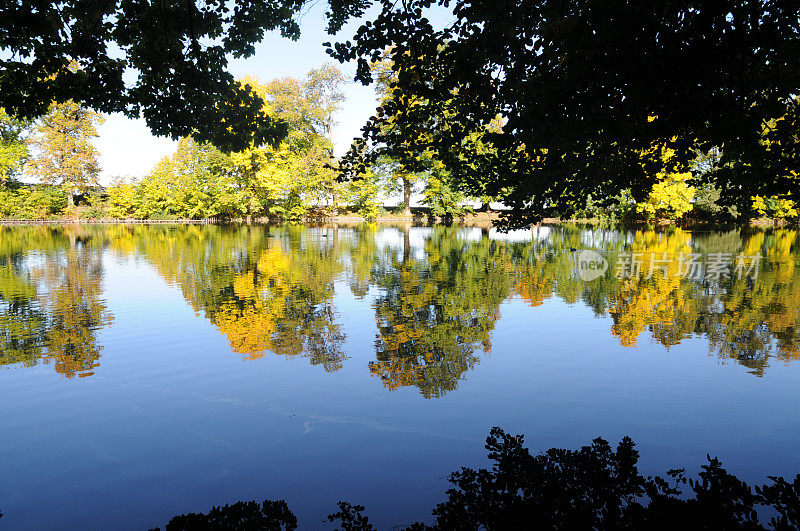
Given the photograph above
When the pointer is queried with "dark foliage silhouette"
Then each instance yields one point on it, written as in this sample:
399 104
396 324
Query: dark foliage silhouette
590 92
594 487
270 515
83 49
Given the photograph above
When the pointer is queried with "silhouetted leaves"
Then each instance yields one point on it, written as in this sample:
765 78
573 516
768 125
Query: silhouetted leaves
594 487
584 89
178 51
242 516
350 518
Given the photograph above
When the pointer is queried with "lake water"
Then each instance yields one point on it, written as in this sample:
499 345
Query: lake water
148 371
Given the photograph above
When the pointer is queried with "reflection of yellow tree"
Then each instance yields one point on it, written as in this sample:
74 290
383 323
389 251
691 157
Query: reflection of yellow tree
250 326
535 278
272 289
250 317
434 314
654 300
264 291
76 310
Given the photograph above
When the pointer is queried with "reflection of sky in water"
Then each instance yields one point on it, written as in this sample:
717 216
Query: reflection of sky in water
173 420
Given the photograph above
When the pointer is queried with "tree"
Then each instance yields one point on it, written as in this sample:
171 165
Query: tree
286 179
441 194
775 207
362 194
63 150
123 200
400 163
178 50
584 91
196 182
397 178
671 196
593 487
13 151
323 89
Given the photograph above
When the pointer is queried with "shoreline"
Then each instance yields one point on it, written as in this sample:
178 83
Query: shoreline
481 219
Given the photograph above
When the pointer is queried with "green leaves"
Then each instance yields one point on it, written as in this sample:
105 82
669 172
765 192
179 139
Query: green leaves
13 151
583 91
177 52
65 155
195 183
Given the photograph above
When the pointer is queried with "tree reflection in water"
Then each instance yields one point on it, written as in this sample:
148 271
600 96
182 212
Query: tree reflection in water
51 304
272 290
434 313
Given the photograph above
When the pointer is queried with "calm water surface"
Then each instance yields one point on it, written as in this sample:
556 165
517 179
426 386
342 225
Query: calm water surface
149 371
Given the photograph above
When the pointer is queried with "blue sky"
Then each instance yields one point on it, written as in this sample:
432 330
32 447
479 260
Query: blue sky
127 149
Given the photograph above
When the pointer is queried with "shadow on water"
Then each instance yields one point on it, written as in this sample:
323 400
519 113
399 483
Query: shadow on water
594 487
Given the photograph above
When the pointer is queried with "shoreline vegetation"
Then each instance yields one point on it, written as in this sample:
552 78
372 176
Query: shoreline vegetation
421 217
49 171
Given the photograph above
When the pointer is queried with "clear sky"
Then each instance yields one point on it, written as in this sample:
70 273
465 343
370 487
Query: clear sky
127 149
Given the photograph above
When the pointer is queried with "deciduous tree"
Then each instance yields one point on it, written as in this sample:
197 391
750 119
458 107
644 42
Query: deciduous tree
13 151
63 151
578 86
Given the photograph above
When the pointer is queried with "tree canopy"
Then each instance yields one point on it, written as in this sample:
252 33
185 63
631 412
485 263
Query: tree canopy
13 151
594 487
533 103
585 90
64 153
163 61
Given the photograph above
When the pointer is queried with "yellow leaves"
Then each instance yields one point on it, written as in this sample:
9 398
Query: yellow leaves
267 313
250 321
62 141
775 207
658 300
122 200
274 262
671 196
249 330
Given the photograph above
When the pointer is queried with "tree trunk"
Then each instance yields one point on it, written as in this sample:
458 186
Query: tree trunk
70 200
406 195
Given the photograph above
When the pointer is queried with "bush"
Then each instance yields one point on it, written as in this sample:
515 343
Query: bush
775 207
38 202
123 200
